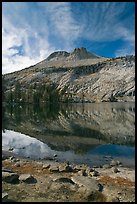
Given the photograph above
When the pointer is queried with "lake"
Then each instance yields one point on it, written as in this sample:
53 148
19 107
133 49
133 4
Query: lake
93 134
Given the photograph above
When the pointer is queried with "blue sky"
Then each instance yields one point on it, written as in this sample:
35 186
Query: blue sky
33 30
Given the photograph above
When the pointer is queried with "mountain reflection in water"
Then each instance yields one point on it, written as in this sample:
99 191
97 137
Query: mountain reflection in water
77 130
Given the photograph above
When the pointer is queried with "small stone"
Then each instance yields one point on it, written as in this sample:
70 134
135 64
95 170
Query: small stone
12 157
95 166
89 170
115 163
118 162
106 166
17 164
82 172
65 168
4 197
15 160
64 180
46 166
54 168
79 167
121 165
95 173
67 162
100 187
55 155
115 170
11 149
27 178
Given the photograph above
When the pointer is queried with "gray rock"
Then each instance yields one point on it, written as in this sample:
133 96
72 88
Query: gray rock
89 170
12 157
79 167
7 170
88 182
15 160
27 178
115 163
64 180
106 166
95 166
11 149
46 166
65 168
4 197
54 168
17 164
10 177
55 155
94 173
82 172
115 170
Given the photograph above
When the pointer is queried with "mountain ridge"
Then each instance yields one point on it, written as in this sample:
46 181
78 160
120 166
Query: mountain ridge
76 54
82 78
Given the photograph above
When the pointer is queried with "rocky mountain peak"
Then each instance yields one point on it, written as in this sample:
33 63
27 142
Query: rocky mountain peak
80 50
57 55
76 54
81 53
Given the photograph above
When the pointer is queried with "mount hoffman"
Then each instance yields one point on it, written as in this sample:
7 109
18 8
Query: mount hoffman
79 76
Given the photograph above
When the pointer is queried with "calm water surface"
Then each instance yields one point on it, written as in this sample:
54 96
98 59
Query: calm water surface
82 133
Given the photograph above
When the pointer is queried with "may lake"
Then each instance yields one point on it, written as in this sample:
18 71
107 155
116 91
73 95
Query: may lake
92 134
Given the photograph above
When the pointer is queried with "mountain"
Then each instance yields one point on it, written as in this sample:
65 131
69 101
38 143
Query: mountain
79 76
77 54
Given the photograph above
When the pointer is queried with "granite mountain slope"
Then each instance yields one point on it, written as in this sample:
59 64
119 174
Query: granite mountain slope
80 76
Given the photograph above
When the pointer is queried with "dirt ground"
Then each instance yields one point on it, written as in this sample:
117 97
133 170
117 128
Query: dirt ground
54 185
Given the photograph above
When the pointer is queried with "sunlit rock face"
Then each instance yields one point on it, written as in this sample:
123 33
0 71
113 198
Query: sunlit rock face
81 76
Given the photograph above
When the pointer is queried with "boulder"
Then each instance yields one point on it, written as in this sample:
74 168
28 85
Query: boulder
11 149
65 168
115 170
27 178
115 163
46 166
54 168
64 180
94 173
88 182
4 197
10 177
106 166
82 172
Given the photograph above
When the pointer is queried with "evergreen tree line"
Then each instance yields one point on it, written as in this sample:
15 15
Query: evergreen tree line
34 93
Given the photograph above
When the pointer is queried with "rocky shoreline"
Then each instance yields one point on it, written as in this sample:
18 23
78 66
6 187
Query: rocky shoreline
27 180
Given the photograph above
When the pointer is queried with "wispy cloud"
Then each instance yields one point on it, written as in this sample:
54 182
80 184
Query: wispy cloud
32 36
32 30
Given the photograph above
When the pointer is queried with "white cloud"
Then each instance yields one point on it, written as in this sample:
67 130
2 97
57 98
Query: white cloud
43 27
102 22
14 36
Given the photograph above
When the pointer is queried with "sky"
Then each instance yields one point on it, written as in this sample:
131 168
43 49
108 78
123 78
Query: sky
31 31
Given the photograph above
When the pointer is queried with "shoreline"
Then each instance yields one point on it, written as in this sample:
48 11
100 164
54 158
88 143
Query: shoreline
63 181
